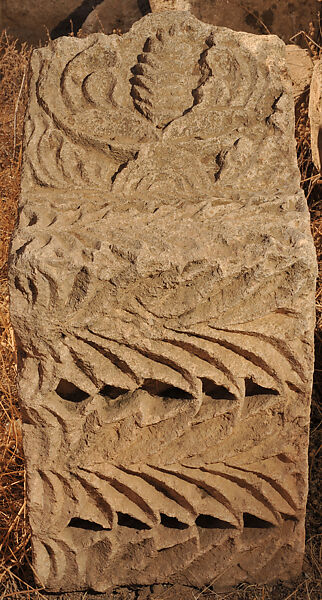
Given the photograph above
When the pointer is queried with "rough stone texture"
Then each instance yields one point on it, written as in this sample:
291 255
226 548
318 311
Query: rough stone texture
300 66
121 14
113 14
315 114
29 20
282 18
161 5
162 295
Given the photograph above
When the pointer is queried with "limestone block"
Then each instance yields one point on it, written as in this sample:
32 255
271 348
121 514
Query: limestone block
30 20
282 18
162 295
315 115
113 14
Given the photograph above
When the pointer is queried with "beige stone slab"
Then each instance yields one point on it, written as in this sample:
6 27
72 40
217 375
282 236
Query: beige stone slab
162 279
315 115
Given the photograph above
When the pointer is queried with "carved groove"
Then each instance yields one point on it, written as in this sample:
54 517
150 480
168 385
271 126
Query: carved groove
158 388
215 391
199 483
112 356
253 522
172 522
163 488
210 522
110 391
250 488
78 523
125 520
253 389
69 391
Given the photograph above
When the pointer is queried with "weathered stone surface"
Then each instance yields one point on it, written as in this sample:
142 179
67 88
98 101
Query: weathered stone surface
300 66
31 20
113 14
161 5
282 18
122 14
315 114
162 295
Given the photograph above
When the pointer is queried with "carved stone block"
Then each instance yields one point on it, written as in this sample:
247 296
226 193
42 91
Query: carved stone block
162 296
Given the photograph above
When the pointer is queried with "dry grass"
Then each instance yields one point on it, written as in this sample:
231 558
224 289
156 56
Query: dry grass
15 534
15 570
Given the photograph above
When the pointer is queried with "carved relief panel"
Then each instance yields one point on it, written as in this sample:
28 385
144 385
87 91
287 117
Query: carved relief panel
161 274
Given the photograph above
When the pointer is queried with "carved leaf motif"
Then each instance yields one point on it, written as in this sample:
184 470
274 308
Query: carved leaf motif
155 173
184 466
159 318
182 462
165 77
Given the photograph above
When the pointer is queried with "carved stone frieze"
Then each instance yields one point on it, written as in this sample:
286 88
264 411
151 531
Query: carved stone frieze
162 295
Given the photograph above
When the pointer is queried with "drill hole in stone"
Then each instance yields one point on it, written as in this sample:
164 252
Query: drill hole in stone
210 522
254 389
172 522
109 391
33 220
125 520
69 391
217 392
253 522
163 390
78 523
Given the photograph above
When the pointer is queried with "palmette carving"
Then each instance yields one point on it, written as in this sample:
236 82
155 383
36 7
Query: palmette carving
88 127
160 95
159 275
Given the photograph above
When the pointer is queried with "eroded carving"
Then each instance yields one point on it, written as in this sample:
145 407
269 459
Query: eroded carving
161 274
165 86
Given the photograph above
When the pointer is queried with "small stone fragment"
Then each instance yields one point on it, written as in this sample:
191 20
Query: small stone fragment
315 115
112 15
161 5
300 66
